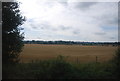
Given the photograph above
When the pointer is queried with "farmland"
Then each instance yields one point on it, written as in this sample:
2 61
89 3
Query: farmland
73 53
79 63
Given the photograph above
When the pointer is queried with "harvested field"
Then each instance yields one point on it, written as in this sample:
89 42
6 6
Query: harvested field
74 53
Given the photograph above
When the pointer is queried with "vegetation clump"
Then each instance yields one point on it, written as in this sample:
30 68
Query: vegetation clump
59 69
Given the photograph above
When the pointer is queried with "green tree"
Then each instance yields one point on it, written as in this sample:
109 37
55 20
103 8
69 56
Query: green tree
11 37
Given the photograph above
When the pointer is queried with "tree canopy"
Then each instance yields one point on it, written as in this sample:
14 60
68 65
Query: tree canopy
11 37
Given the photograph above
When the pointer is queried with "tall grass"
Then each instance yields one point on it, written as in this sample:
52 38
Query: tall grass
59 69
116 63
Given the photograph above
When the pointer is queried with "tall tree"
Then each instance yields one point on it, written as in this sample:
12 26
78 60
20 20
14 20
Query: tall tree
11 37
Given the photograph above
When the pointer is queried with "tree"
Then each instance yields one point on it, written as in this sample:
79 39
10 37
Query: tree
11 37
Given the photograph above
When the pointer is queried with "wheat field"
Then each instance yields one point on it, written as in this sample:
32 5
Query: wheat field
73 53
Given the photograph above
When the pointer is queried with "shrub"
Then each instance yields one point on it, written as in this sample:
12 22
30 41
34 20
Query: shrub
116 61
59 69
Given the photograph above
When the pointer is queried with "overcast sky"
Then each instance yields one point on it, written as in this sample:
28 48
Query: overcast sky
74 21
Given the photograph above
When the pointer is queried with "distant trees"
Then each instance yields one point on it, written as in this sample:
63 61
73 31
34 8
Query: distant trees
71 42
11 37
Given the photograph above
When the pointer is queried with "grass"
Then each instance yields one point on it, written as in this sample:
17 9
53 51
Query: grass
63 62
59 69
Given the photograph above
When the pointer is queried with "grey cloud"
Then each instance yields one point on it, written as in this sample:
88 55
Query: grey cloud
54 29
114 21
50 4
100 33
64 27
76 32
111 37
72 18
39 25
34 27
38 37
64 3
85 5
44 26
109 16
108 20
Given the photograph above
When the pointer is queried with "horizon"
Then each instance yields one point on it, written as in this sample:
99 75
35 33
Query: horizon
74 41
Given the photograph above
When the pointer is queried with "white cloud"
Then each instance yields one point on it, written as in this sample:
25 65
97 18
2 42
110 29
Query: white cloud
70 21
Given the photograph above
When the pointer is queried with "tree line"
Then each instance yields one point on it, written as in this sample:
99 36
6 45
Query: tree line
70 42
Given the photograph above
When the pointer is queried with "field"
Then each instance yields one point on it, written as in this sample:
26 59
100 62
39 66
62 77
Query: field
73 53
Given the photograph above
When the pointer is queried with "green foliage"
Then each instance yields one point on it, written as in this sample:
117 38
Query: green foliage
59 69
11 37
116 62
95 70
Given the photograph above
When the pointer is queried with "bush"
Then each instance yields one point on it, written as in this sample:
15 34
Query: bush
95 70
116 62
59 69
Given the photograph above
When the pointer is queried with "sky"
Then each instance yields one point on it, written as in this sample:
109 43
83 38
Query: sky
70 20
